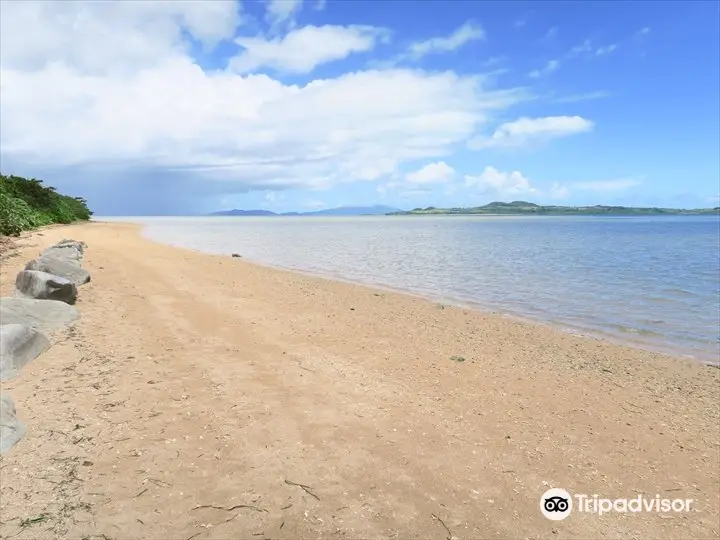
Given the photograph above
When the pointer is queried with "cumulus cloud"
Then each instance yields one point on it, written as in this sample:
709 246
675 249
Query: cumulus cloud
432 173
108 37
470 31
501 184
280 12
302 50
124 92
525 130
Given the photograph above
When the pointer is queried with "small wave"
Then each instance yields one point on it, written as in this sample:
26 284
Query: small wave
634 330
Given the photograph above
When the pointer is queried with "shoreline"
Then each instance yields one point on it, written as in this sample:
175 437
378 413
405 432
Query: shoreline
628 338
211 382
669 350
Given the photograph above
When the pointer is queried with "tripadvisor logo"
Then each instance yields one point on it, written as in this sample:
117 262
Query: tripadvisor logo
556 504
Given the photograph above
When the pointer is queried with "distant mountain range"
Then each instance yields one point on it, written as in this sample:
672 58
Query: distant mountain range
528 208
377 210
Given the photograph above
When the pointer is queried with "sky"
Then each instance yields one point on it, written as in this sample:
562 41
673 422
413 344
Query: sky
161 108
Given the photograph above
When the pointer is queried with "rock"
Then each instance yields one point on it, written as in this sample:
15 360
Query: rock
61 268
64 252
80 246
237 255
59 256
11 428
44 315
19 344
44 286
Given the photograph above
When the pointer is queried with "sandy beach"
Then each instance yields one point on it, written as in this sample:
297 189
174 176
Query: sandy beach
204 396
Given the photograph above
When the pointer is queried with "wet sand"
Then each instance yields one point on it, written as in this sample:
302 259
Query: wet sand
203 396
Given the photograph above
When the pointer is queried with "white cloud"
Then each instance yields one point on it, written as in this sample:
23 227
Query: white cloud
550 67
494 60
108 37
524 130
644 31
559 191
607 49
320 5
431 173
550 34
522 21
302 50
620 184
585 50
501 184
383 189
584 47
575 98
281 12
134 97
468 32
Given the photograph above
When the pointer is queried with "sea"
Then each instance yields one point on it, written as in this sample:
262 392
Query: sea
653 282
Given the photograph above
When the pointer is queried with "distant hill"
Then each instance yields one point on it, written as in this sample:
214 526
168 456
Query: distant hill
528 208
377 210
244 213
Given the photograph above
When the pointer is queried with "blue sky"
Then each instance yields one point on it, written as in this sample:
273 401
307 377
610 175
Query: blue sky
188 107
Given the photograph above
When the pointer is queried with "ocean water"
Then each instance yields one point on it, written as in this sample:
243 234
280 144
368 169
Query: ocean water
652 281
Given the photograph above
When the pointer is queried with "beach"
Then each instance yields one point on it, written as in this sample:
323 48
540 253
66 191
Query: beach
203 396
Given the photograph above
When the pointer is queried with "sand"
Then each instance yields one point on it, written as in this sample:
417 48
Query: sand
204 396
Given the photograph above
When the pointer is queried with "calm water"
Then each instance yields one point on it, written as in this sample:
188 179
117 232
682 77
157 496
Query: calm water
651 280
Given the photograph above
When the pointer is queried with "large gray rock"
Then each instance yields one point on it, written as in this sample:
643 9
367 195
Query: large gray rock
60 256
79 245
19 344
44 286
59 267
44 315
11 428
68 252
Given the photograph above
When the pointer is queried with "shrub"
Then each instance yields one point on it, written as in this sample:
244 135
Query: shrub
26 204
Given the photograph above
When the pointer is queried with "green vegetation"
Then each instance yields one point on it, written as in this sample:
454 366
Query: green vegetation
26 204
528 208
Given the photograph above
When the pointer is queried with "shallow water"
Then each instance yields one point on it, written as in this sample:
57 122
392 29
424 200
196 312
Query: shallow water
653 281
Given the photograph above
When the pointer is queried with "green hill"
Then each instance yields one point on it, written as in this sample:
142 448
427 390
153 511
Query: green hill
528 208
26 204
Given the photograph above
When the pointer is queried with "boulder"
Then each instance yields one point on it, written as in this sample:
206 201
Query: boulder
44 315
59 267
19 344
11 429
44 286
80 246
64 252
60 256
